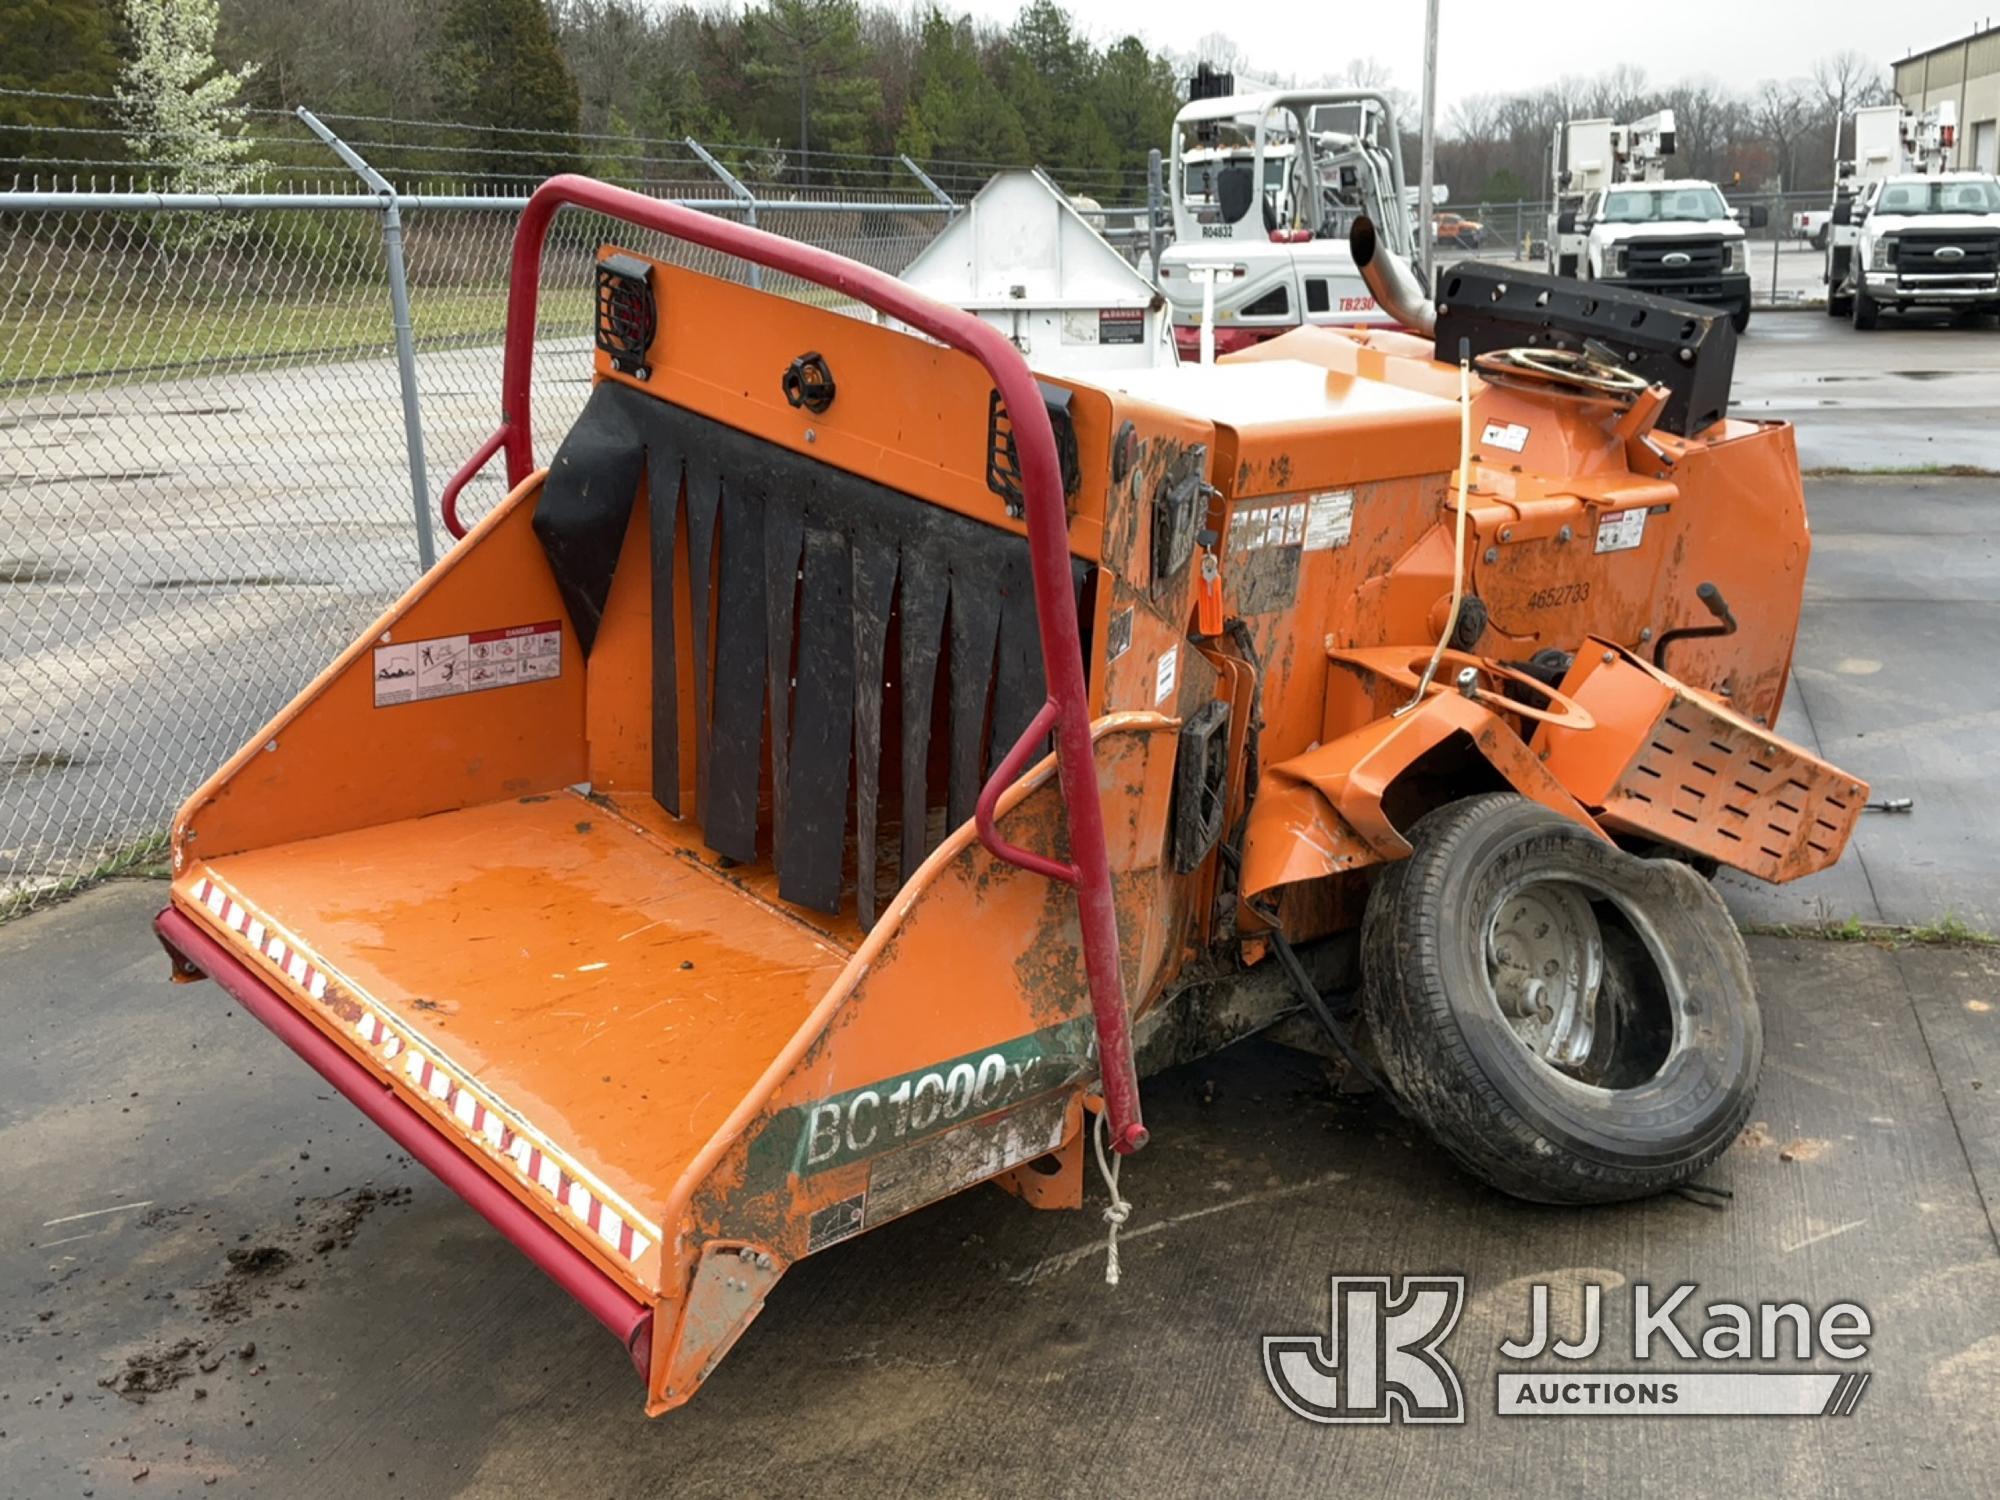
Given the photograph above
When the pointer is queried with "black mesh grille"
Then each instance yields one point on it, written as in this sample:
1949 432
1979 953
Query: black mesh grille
1673 260
1929 254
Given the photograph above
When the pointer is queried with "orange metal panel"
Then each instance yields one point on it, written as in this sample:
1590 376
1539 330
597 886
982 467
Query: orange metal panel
600 983
333 760
722 348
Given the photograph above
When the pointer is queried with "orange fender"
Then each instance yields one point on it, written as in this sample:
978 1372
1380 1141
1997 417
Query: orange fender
1324 813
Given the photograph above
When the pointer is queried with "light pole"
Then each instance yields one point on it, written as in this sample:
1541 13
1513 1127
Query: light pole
1427 172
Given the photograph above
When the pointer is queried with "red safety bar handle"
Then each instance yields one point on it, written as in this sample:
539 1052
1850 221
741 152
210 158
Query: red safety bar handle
1005 775
482 456
1067 711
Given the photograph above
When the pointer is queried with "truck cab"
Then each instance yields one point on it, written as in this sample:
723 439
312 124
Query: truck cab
1265 188
1921 241
1673 239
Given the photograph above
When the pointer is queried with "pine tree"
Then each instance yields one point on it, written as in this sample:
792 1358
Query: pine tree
807 55
956 112
179 103
499 65
1137 97
52 47
1049 74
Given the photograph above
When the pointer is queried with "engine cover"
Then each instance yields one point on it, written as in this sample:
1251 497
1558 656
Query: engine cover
1688 349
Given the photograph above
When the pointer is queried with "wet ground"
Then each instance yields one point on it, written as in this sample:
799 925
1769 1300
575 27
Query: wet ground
1902 603
1918 393
216 1279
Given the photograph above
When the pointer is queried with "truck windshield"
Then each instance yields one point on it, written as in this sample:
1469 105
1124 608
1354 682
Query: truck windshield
1979 196
1663 205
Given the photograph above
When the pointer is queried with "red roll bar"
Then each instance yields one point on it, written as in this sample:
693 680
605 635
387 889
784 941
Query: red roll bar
1068 706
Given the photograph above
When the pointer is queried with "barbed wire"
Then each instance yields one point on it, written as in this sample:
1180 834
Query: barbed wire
955 172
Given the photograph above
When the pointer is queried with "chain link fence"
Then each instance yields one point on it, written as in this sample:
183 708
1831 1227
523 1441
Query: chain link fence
207 485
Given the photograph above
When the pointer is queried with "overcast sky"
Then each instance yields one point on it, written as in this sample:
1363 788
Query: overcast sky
1509 44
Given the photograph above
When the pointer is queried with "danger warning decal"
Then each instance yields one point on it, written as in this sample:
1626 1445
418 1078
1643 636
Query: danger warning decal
447 665
1121 325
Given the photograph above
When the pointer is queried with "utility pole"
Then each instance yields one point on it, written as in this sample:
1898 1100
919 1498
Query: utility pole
1427 174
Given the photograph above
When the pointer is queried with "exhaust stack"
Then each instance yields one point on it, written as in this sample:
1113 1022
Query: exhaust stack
1390 280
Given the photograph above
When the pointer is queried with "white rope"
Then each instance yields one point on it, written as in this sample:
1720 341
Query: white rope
1458 543
1117 1211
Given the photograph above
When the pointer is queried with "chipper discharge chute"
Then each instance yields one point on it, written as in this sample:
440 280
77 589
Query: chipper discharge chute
851 762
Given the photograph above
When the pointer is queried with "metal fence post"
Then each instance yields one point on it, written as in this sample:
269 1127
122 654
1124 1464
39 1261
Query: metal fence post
743 195
406 343
1154 198
929 186
1777 242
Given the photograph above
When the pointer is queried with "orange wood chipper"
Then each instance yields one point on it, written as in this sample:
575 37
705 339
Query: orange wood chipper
851 762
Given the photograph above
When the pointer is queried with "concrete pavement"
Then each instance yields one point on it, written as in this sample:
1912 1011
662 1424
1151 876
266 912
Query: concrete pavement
198 1299
1902 610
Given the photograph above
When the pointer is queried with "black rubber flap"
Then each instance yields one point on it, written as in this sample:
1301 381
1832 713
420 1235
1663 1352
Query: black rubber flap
796 572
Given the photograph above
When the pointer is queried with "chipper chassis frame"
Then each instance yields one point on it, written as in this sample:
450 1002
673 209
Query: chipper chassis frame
445 946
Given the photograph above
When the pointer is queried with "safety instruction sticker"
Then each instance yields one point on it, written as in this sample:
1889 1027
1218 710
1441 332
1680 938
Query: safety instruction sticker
1329 520
1621 530
1260 526
1165 674
447 665
1509 435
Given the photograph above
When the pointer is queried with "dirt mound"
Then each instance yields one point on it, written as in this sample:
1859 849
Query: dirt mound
152 1371
323 1225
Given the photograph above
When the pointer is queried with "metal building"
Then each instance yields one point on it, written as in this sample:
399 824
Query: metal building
1965 73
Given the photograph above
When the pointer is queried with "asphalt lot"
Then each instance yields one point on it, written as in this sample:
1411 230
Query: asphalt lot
398 1346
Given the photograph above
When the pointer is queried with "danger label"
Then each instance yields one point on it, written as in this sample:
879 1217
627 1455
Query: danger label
1621 531
1509 435
1108 325
1121 325
448 665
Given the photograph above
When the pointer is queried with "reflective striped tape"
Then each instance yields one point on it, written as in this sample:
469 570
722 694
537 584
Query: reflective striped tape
533 1161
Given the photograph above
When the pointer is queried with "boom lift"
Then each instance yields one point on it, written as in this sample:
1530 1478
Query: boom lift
1580 162
851 762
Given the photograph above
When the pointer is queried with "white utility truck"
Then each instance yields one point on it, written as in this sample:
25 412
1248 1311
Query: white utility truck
1265 188
1908 234
1673 237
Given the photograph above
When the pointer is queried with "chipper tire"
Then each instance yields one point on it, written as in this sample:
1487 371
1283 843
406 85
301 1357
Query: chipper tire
1573 1023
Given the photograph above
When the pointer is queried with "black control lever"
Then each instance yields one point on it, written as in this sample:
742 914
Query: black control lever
1712 600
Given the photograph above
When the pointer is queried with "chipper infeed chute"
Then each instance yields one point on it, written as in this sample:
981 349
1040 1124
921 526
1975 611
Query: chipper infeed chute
625 870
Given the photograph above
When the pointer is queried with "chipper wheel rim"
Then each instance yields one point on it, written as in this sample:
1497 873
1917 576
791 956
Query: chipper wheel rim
1546 975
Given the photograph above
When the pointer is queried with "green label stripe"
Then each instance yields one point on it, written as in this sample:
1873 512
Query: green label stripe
864 1122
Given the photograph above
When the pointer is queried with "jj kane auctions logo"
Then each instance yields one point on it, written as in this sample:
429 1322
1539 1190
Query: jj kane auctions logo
1383 1357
